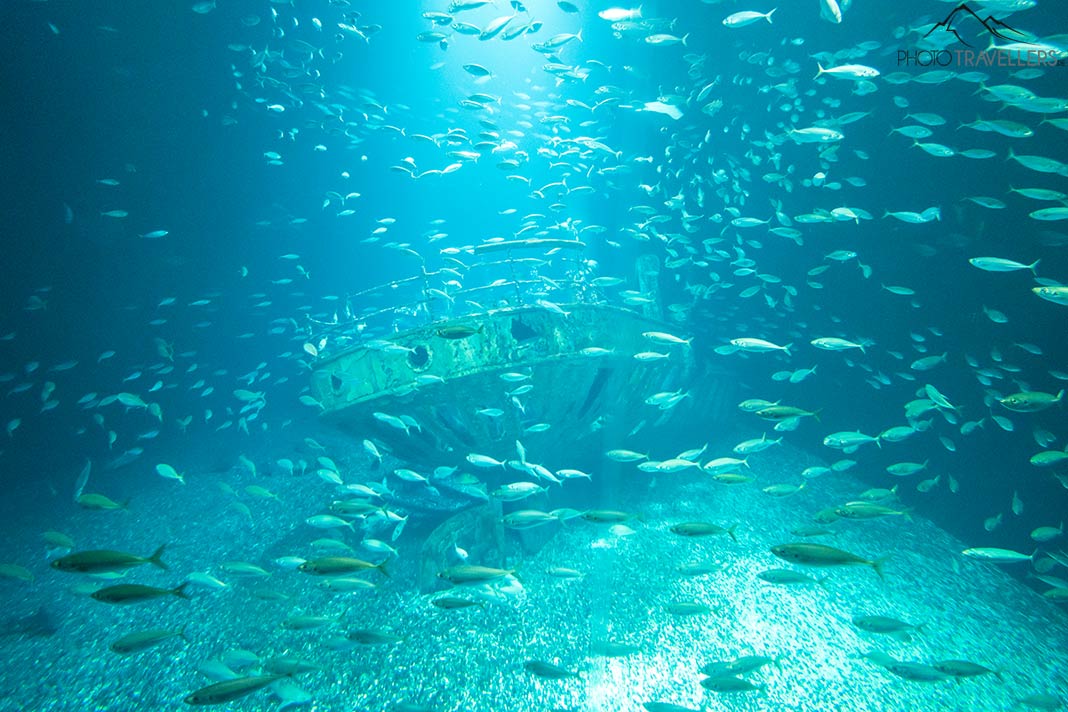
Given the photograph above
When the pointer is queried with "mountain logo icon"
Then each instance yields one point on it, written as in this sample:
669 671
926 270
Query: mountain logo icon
991 24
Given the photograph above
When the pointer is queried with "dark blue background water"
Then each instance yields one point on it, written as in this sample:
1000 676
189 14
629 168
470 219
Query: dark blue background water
144 102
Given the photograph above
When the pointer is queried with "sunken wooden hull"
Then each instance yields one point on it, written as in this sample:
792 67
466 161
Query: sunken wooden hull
450 390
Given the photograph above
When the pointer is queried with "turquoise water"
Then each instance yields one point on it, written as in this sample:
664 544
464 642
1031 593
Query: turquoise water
476 304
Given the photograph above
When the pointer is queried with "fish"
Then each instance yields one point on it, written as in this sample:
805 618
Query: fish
848 71
477 70
458 331
660 337
815 134
607 516
548 670
339 566
473 574
885 625
747 17
845 440
786 577
143 640
999 264
168 472
963 668
785 412
127 593
106 561
527 519
867 510
994 555
821 555
626 456
93 500
759 345
229 690
701 529
730 683
664 39
916 672
451 603
833 343
1031 401
1057 295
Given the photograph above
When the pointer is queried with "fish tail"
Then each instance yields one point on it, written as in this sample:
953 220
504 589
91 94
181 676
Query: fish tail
877 566
730 533
382 569
180 590
820 70
156 558
768 16
685 37
1033 265
787 349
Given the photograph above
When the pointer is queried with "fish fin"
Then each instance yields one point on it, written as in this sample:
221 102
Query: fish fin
156 558
877 566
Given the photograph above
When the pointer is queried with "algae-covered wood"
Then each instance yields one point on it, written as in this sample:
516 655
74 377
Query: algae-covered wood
478 383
